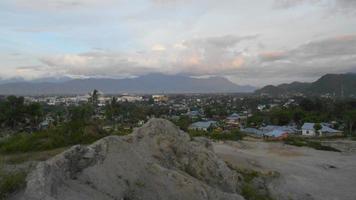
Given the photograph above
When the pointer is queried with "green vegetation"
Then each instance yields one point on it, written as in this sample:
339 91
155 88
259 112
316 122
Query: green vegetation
302 142
233 135
81 128
350 118
11 182
316 110
250 190
61 136
183 122
317 127
15 114
19 158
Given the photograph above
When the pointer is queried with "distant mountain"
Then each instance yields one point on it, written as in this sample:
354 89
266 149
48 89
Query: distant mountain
153 83
338 85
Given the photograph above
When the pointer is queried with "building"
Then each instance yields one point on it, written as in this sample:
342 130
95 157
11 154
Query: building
309 130
202 125
194 114
287 129
272 132
160 98
47 123
276 134
234 119
128 98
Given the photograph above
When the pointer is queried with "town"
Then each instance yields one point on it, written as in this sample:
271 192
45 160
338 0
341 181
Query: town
258 116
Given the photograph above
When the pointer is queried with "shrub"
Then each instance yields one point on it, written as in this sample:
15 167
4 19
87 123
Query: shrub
69 134
217 135
302 142
11 182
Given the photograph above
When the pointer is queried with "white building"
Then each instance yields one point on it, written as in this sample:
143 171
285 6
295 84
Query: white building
308 130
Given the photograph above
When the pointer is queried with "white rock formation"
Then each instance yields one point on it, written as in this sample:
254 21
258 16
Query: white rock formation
157 161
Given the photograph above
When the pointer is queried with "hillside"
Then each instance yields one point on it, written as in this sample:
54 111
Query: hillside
153 83
337 85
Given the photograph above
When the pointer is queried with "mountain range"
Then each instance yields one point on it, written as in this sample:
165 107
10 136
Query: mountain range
152 83
336 85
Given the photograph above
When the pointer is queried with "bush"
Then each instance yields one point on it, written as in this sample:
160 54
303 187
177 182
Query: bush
197 133
249 190
69 134
11 182
215 135
301 142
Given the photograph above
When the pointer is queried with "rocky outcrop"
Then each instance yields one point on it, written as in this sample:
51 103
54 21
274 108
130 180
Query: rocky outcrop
157 161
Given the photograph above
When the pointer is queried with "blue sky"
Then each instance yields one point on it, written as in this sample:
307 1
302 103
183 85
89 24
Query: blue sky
248 41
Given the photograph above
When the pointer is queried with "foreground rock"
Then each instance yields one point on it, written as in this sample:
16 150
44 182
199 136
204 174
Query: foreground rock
303 173
157 161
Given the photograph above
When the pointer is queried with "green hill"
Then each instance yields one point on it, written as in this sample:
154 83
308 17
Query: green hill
335 85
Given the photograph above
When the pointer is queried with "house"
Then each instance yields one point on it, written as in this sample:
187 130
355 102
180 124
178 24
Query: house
236 120
45 124
202 125
287 129
309 130
233 119
276 134
160 98
194 114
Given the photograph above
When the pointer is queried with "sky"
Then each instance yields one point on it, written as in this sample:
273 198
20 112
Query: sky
250 42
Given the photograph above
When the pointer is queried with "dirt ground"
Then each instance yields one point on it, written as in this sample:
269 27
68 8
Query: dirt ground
304 173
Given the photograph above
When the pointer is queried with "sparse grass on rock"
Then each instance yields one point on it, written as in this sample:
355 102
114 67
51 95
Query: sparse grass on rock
215 135
254 183
11 182
302 142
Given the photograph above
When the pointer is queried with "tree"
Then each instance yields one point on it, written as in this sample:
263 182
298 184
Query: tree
34 113
94 98
14 111
317 127
81 113
350 118
183 123
112 109
298 116
280 117
255 120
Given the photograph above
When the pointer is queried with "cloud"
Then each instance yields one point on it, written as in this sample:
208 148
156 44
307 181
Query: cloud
207 56
158 47
212 56
292 3
59 4
272 55
306 62
332 6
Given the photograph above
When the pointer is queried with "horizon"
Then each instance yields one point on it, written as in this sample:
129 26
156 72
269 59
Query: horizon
248 42
67 78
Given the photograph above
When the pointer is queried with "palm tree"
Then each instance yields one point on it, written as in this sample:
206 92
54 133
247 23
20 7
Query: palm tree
94 98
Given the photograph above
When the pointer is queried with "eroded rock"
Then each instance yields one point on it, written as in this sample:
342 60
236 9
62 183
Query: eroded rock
157 161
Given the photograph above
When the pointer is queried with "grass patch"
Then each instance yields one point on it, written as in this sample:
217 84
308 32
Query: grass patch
11 182
251 191
233 135
18 158
61 136
302 142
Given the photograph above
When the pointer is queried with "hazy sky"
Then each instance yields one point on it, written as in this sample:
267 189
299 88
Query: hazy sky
254 42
